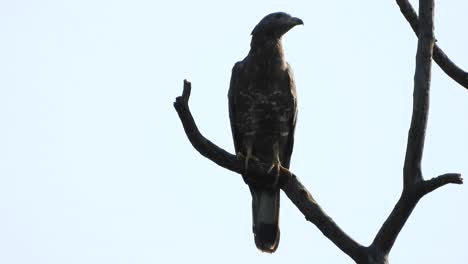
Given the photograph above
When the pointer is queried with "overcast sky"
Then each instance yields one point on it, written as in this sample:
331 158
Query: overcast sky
95 166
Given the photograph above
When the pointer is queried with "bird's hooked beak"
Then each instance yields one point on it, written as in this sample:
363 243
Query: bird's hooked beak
296 21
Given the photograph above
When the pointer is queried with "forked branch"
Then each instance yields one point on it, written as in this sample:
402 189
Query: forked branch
414 185
444 62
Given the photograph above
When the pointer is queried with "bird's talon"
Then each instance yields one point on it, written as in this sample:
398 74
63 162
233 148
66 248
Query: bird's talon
277 167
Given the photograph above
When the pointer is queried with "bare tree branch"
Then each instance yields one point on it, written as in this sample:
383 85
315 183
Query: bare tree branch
412 175
439 181
422 81
415 187
312 211
209 150
444 62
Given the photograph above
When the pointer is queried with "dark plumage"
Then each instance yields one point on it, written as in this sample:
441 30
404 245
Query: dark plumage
262 110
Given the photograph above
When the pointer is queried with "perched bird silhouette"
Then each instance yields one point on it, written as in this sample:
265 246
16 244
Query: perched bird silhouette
263 110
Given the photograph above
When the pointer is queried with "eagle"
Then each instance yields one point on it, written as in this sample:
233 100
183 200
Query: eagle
262 111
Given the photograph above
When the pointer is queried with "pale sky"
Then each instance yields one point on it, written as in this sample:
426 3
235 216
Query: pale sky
95 166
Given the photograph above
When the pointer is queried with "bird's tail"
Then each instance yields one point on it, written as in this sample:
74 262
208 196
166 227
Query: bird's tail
265 214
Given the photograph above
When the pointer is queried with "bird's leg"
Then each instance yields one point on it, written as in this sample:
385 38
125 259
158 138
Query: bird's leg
276 164
247 157
248 147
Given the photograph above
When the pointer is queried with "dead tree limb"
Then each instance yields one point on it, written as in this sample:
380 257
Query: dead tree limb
444 62
414 185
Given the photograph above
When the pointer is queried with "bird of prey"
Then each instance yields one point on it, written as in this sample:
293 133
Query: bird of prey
262 111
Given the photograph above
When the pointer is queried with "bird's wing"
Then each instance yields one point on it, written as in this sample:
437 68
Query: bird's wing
234 89
292 122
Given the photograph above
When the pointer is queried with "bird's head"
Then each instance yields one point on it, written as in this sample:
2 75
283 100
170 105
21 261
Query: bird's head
275 25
